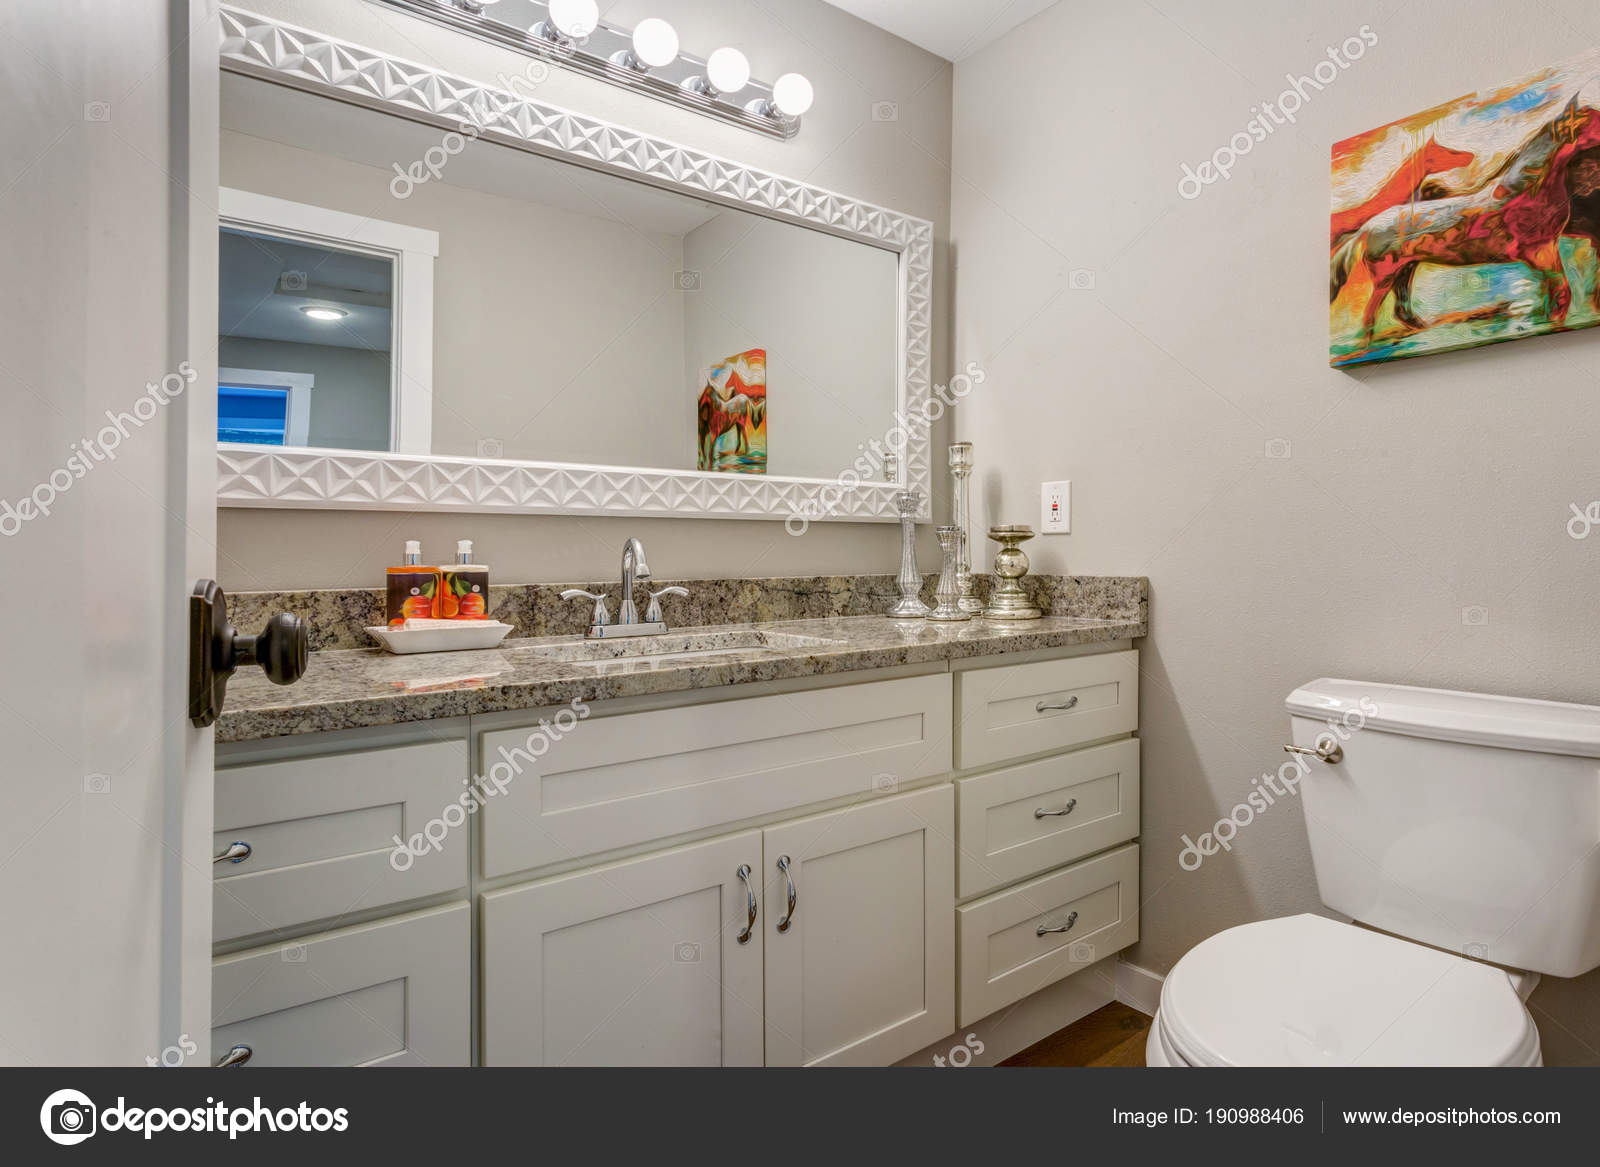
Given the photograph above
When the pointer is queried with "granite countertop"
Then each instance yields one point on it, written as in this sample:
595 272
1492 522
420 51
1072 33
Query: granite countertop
352 688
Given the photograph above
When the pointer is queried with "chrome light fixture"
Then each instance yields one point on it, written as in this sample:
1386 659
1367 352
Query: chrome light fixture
647 59
655 43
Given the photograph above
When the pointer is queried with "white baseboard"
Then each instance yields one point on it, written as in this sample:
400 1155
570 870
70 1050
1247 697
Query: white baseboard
1138 988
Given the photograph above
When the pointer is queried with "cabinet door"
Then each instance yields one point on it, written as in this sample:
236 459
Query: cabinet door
863 973
635 964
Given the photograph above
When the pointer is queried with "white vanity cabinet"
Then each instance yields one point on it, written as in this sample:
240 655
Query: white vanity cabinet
829 872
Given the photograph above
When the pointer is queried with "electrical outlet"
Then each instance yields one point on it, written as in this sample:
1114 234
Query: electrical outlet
1055 508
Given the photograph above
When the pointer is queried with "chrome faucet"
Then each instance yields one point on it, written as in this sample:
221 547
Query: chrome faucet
633 567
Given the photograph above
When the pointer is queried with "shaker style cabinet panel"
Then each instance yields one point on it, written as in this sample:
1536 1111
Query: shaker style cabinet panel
617 781
1025 819
639 963
393 993
861 963
320 831
1005 712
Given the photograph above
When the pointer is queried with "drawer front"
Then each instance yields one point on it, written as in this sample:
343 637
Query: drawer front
396 993
1003 956
1029 818
631 778
1012 711
321 835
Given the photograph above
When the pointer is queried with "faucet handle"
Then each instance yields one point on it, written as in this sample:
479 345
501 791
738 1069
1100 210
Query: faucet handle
600 618
652 614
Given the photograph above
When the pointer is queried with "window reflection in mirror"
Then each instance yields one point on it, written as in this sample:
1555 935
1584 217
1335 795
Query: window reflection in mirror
303 347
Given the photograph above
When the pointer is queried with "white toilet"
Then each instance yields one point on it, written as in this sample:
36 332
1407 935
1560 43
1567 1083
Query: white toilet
1467 823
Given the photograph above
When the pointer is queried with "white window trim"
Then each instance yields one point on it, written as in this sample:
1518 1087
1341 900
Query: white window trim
297 421
411 250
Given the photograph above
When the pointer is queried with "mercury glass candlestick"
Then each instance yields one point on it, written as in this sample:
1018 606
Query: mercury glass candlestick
908 606
961 472
1008 601
949 594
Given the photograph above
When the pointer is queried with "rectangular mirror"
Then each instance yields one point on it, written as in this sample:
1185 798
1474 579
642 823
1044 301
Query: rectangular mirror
391 285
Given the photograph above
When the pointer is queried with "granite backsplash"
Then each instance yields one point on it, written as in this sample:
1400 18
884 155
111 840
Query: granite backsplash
338 618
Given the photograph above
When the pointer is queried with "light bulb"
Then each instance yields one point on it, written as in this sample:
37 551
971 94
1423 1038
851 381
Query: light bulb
655 42
792 94
727 70
317 312
575 18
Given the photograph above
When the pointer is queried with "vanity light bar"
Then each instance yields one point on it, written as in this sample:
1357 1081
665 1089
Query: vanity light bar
614 54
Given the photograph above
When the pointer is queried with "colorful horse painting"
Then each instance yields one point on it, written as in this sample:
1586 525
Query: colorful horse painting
1482 234
732 415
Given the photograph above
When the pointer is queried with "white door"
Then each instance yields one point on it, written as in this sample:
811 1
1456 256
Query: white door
650 962
861 967
107 517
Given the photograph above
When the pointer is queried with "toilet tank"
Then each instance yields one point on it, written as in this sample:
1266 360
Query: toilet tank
1462 820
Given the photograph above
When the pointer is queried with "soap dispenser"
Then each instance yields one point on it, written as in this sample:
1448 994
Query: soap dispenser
413 591
465 594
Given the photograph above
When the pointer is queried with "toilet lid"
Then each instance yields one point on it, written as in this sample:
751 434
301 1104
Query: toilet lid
1308 991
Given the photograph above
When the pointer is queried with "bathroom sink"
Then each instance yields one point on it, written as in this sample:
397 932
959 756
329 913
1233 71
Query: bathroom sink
675 646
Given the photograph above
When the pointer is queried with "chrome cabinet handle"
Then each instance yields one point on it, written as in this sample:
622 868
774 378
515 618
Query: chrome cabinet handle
788 917
1041 813
652 614
750 922
1041 930
600 617
1327 749
1041 707
236 853
237 1056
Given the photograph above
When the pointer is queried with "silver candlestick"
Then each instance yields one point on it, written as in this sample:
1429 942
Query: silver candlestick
949 594
908 606
961 471
1009 601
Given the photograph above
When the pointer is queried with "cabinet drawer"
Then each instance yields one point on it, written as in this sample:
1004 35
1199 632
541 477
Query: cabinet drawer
1011 820
1003 956
1005 711
396 992
630 778
321 831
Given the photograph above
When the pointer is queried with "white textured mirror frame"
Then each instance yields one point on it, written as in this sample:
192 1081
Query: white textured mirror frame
261 47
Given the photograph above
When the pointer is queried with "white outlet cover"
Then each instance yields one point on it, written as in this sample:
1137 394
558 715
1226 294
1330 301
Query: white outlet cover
1055 508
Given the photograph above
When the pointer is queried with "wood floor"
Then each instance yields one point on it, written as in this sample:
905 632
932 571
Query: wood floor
1113 1035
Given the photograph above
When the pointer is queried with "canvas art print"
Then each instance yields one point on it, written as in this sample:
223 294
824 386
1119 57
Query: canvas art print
733 414
1470 223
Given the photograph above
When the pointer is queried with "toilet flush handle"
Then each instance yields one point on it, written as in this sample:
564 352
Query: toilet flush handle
1326 748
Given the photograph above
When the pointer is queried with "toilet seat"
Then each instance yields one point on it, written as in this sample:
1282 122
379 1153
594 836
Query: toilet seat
1304 990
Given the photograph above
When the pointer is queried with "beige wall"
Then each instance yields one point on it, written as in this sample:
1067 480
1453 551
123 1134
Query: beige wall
901 163
1411 491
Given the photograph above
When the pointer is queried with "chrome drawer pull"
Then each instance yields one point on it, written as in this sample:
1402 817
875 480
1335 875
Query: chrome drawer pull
236 853
1041 930
237 1056
1041 813
1327 749
750 923
1041 707
788 918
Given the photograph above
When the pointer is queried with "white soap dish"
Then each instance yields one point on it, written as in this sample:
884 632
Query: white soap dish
442 635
